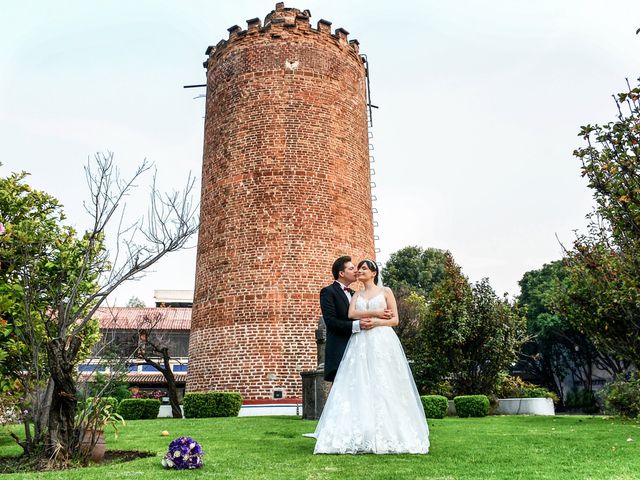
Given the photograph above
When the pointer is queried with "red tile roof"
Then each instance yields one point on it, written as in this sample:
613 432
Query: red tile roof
137 377
154 377
132 318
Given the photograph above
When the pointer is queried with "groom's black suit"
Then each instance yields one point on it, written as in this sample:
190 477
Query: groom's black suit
335 312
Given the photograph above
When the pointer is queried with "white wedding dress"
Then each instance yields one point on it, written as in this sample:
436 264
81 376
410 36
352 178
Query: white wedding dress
373 406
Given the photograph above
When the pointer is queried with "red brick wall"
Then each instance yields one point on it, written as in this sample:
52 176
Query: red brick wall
285 190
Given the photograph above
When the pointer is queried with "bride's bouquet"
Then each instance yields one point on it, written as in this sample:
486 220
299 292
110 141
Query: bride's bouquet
184 453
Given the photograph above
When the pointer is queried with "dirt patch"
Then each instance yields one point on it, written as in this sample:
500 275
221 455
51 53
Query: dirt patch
111 456
37 464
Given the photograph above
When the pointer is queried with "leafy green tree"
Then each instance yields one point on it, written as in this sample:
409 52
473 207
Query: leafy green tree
414 269
135 302
412 311
555 349
496 331
468 335
412 273
445 328
33 247
602 298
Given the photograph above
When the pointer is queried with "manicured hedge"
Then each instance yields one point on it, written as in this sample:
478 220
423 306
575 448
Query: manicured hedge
435 406
212 404
471 405
139 408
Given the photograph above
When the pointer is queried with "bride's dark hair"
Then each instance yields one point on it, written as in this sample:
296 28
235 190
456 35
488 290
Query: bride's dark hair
371 265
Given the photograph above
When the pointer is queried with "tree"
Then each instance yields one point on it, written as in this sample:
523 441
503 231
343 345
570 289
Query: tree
155 349
602 298
412 273
412 311
414 269
149 343
135 302
444 328
555 348
35 250
496 331
71 276
470 335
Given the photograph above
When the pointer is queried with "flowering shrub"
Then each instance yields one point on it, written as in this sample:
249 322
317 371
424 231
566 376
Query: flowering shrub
154 394
9 412
184 453
10 409
514 387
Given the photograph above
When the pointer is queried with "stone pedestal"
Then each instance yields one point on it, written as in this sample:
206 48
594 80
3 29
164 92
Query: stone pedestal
314 394
314 388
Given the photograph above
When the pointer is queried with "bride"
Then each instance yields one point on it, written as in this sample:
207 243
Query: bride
373 406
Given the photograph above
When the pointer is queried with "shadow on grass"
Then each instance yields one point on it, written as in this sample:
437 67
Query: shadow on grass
22 464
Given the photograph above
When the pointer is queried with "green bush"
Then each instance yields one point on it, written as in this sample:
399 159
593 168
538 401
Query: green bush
471 405
435 406
622 396
212 404
139 408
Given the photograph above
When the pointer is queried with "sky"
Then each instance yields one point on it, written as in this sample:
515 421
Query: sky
480 104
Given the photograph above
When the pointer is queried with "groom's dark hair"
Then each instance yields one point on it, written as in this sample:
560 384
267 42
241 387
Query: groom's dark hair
339 266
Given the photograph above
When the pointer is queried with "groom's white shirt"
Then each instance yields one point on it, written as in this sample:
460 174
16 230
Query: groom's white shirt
355 325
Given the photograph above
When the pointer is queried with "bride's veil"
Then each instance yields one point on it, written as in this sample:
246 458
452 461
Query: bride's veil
380 282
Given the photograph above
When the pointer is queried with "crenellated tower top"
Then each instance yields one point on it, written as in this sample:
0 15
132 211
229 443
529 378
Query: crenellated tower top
283 22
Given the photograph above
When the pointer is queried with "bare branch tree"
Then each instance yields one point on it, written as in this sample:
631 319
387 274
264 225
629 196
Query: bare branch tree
169 224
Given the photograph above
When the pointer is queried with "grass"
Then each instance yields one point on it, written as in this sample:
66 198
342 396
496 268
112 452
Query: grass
507 447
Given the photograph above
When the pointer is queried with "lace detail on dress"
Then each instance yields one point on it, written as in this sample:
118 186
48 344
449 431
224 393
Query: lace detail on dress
374 406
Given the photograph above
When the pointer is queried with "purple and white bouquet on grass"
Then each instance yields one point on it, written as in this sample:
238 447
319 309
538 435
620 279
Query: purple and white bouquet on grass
184 453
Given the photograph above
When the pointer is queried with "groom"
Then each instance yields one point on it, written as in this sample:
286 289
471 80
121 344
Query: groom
334 303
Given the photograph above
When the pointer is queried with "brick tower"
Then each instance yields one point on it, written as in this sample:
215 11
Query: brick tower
286 189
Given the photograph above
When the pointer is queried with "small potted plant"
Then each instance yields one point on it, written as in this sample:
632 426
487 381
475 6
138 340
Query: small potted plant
96 415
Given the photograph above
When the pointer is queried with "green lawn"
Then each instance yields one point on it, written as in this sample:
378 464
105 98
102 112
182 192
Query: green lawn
272 448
